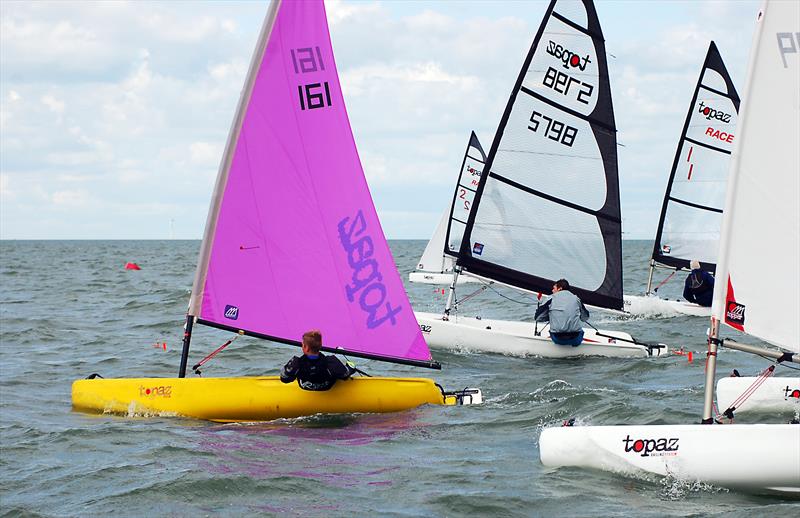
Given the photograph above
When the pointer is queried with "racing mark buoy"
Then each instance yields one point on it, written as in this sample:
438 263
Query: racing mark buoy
132 266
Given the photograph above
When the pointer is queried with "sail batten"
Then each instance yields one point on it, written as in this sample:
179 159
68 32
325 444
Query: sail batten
690 220
548 206
293 241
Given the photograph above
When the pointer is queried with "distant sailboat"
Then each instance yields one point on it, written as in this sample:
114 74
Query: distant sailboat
547 202
439 258
692 210
761 215
292 242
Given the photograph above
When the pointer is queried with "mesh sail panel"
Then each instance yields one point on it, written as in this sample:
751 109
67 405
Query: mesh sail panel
690 216
549 206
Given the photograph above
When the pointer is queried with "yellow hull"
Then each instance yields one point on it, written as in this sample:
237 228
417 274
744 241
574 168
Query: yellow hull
250 399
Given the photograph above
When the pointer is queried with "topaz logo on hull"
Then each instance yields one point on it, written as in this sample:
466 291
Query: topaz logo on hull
477 248
661 447
231 312
160 391
711 113
567 57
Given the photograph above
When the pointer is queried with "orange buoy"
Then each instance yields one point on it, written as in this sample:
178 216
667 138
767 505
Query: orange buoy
132 266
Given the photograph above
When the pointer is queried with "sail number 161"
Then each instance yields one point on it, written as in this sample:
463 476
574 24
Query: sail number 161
555 130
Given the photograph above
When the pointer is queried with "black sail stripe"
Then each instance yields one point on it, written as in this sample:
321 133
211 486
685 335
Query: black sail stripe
603 130
721 94
554 199
713 61
695 205
709 146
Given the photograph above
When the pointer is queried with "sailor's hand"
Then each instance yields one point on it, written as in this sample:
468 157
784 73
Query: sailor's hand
351 368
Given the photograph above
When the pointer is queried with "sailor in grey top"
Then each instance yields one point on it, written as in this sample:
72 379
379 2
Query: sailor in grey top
564 311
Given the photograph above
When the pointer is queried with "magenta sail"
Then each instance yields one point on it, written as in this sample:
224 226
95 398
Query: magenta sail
295 242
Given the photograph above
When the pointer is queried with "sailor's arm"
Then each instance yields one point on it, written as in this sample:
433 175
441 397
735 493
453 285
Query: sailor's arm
543 312
337 369
290 370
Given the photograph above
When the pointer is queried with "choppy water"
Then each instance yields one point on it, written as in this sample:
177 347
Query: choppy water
68 309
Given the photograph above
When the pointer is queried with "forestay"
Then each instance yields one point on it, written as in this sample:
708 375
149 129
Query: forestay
292 240
692 210
549 206
758 286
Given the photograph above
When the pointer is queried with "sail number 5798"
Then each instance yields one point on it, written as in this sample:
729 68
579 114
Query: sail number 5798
555 130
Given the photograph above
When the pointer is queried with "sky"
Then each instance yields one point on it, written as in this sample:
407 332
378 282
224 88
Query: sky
114 115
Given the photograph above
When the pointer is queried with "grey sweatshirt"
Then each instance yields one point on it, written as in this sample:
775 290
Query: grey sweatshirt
564 311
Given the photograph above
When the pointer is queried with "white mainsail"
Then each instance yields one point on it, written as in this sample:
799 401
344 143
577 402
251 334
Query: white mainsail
691 213
758 273
441 252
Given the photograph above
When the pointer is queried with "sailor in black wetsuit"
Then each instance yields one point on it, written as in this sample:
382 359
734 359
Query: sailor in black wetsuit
313 370
699 285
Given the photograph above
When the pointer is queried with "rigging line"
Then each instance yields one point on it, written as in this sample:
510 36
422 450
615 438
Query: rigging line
507 297
505 150
213 353
543 229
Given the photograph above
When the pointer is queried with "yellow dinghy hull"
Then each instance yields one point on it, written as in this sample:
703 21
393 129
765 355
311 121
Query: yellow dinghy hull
252 398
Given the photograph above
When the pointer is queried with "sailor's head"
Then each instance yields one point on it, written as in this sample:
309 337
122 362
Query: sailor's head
694 264
312 342
561 284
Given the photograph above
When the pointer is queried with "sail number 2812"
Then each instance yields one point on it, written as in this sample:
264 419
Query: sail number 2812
555 130
561 83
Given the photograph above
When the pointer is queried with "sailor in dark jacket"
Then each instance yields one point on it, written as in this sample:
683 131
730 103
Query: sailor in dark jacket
564 311
699 286
313 370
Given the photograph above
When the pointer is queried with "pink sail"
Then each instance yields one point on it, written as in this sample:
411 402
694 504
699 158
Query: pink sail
293 240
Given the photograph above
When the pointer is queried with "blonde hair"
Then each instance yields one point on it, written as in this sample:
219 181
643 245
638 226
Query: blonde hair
313 340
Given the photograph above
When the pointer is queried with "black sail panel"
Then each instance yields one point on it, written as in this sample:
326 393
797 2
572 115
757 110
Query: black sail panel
691 214
549 206
466 186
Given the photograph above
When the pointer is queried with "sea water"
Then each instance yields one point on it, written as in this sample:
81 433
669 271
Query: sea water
69 309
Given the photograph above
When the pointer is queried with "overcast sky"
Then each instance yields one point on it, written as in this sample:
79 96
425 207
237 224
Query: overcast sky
113 115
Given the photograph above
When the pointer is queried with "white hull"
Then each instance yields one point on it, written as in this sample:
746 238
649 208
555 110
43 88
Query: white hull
441 278
754 457
653 305
517 338
772 396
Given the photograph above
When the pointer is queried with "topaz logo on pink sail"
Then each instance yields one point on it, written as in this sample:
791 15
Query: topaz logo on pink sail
365 283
